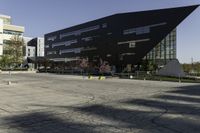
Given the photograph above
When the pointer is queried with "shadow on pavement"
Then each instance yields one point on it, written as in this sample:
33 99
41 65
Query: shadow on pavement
193 90
149 121
179 98
165 113
176 108
44 123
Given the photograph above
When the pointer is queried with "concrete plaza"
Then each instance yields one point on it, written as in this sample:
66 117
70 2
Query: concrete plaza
47 103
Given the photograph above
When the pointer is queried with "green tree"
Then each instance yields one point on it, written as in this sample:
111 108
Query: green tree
187 67
5 61
13 52
147 65
195 67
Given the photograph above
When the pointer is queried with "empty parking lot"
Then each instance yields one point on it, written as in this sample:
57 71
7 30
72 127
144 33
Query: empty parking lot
47 103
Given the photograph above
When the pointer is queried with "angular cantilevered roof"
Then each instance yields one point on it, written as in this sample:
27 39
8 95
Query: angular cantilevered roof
146 29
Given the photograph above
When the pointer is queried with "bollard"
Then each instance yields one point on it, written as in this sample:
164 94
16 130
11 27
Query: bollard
90 77
9 82
179 78
102 78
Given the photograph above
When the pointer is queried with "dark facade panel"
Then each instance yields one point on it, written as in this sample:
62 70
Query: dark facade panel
120 39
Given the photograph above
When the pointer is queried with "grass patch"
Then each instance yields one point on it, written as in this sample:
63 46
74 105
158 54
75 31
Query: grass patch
165 78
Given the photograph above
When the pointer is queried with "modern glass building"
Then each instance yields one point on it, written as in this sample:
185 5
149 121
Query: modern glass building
164 51
119 40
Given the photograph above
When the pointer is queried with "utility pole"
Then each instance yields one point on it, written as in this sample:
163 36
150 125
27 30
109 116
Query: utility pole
192 64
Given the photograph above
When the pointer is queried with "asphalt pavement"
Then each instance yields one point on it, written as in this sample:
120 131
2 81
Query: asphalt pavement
49 103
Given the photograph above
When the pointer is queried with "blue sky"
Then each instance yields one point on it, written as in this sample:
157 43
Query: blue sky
43 16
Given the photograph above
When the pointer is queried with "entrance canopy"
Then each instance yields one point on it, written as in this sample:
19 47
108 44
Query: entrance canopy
43 60
37 59
64 59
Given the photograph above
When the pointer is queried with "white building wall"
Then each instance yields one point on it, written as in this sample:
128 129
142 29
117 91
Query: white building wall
8 36
29 51
1 50
5 24
40 47
1 37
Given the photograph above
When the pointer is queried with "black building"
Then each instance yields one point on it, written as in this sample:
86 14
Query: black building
121 39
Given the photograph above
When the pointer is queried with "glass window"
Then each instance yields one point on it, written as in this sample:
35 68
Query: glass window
65 43
109 33
87 39
79 32
51 52
74 50
141 30
132 45
89 49
166 49
138 31
104 25
51 38
12 32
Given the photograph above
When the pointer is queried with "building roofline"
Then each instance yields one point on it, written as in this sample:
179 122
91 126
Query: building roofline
14 25
195 6
5 16
38 38
118 14
14 28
